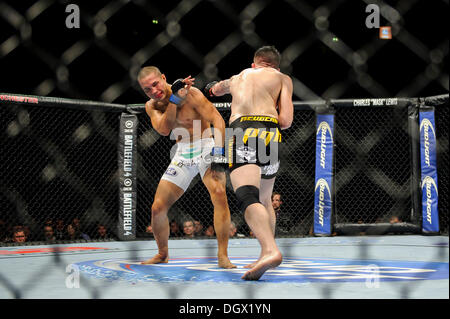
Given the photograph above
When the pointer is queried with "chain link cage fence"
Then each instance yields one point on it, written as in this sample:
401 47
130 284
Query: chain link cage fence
59 165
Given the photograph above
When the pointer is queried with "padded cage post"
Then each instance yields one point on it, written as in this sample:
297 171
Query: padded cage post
127 176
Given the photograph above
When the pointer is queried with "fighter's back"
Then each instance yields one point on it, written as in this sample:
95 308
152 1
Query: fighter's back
256 91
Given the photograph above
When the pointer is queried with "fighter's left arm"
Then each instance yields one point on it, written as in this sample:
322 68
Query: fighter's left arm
285 105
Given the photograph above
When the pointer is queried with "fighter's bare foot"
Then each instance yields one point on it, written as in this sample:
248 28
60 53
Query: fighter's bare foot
224 262
157 259
252 264
262 265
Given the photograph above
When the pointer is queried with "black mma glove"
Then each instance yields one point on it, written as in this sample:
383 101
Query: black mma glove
218 160
208 89
176 87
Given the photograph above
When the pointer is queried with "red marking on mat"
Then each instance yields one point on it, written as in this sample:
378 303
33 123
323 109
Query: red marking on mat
127 266
46 250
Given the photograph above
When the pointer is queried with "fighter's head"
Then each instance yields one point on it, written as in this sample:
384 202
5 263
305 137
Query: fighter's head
267 56
153 82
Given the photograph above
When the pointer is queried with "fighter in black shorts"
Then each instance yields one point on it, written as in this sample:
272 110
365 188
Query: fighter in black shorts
255 140
261 106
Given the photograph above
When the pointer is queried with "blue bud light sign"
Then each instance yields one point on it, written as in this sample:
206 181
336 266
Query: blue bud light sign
323 190
429 181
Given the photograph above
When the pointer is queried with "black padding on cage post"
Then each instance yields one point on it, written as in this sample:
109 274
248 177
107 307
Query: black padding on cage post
413 130
127 176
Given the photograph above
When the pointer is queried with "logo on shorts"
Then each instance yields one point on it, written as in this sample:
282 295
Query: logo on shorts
270 169
246 154
171 171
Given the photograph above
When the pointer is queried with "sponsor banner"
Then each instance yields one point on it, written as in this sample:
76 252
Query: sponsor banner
323 192
127 177
375 102
429 181
19 98
222 105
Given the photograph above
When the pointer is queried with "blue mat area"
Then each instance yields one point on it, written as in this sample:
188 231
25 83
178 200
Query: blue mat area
378 267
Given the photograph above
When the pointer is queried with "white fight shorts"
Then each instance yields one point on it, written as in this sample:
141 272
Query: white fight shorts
188 161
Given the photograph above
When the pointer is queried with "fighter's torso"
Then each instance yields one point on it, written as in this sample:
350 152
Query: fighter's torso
255 91
187 118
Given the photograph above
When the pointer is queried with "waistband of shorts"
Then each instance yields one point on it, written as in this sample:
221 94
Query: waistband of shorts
254 118
196 142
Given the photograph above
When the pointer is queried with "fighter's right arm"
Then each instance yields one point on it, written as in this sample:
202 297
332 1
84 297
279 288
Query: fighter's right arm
285 106
218 88
162 122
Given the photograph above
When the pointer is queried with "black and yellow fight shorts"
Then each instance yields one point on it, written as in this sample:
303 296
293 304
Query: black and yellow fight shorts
254 140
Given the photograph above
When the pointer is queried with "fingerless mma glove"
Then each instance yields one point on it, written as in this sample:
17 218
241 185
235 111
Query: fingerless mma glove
176 87
208 89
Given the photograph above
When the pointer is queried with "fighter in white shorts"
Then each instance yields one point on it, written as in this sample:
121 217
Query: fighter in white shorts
180 107
189 160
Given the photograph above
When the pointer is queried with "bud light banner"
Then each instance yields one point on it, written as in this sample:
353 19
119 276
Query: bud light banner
429 181
323 191
127 177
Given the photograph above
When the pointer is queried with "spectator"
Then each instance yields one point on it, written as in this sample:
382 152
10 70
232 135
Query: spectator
233 231
198 228
276 203
79 229
175 229
60 229
394 220
188 229
19 235
210 232
74 234
76 223
49 222
49 234
71 232
27 231
149 231
283 222
102 232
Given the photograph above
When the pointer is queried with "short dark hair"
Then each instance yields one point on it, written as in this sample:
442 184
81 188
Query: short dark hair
275 193
268 54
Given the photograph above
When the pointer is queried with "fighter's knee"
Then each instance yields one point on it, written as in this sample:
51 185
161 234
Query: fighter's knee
246 196
219 191
218 194
158 207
